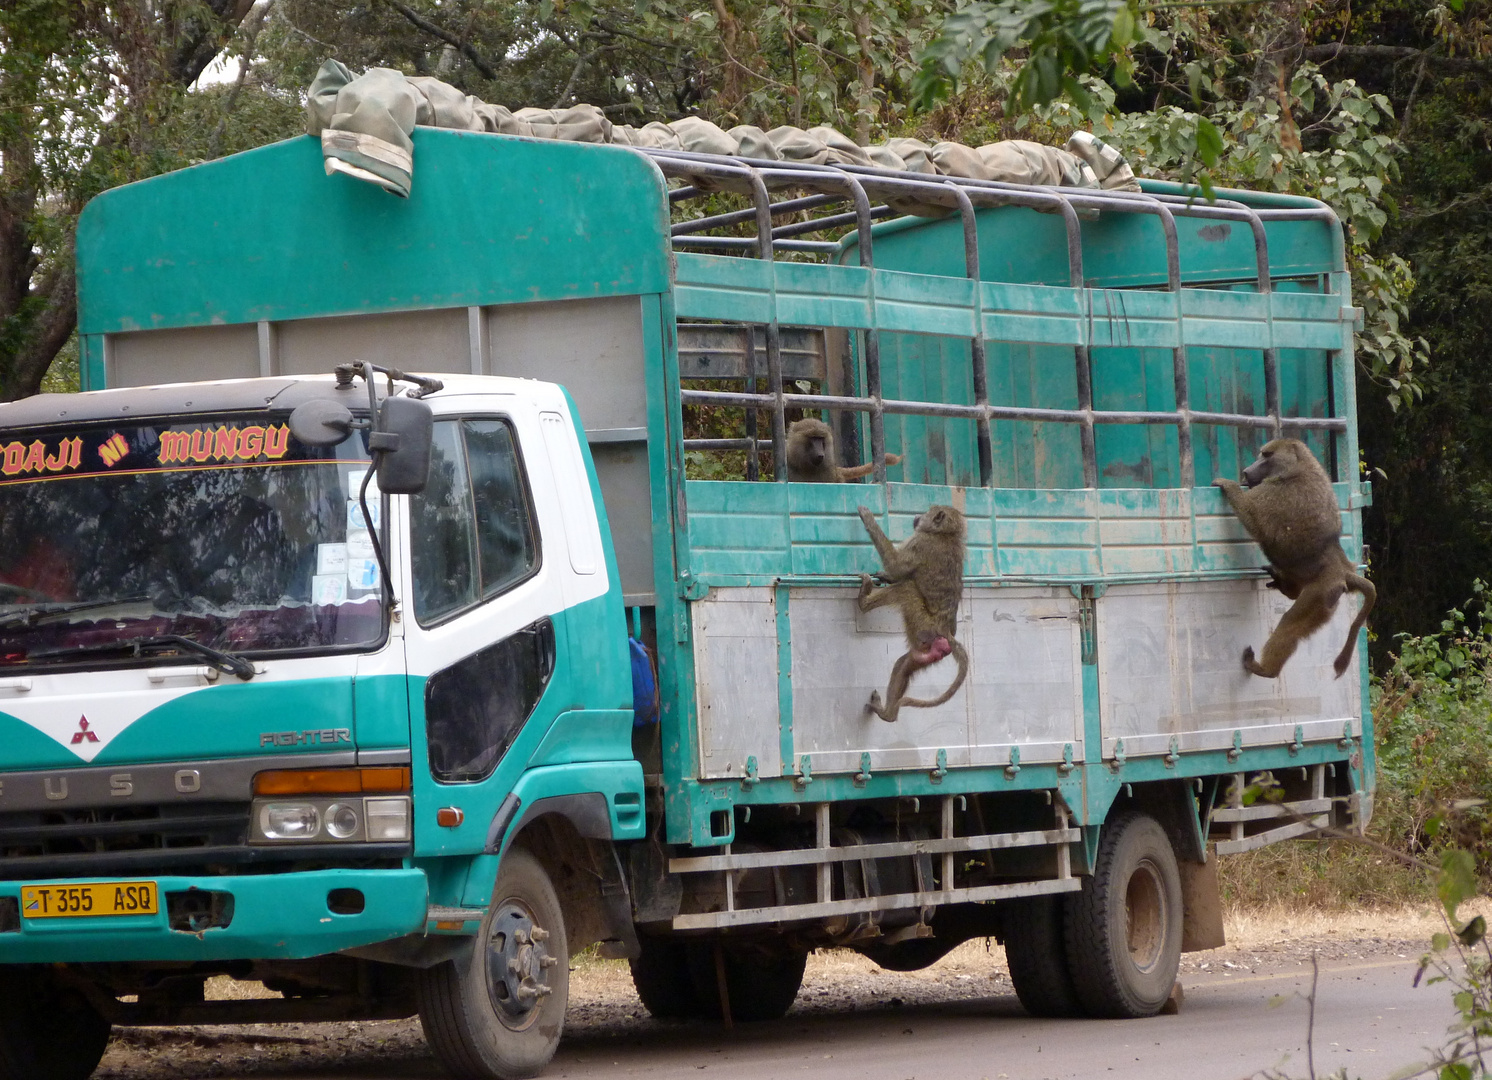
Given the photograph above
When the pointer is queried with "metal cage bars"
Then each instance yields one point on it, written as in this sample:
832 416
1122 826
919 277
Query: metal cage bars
963 194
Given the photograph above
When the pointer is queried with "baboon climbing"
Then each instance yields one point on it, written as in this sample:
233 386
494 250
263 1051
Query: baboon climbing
924 579
1290 509
811 458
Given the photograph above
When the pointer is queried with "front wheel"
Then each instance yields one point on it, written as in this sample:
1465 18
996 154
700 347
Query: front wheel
1124 928
498 1014
47 1030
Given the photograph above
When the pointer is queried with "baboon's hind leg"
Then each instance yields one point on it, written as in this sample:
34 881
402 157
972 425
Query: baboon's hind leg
1307 615
896 689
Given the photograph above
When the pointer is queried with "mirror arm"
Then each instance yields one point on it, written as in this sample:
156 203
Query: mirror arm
377 444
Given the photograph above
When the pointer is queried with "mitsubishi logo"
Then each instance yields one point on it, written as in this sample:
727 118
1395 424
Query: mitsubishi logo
83 735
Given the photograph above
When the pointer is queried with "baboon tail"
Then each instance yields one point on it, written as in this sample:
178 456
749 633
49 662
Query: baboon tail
1359 584
963 670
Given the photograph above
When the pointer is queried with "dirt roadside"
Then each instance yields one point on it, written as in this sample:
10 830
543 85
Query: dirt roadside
603 1003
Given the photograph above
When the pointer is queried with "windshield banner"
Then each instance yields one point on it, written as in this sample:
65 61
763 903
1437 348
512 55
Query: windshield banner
140 449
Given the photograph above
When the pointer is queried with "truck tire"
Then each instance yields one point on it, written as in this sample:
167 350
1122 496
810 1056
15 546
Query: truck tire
663 980
47 1031
762 980
1124 928
498 1014
1036 951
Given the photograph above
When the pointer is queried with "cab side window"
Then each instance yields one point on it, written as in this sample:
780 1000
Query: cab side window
472 532
505 535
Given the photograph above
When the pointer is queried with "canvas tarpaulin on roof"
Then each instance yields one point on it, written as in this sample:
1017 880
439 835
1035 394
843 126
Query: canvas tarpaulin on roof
365 122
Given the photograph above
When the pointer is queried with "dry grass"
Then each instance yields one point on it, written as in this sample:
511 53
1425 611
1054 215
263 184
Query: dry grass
1321 875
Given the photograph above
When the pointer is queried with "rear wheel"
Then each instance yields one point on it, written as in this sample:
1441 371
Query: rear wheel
1037 954
47 1030
1124 929
663 980
761 980
498 1014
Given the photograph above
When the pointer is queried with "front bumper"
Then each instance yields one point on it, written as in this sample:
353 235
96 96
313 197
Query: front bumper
284 916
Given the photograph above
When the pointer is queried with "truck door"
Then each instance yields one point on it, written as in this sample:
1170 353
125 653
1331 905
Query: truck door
480 633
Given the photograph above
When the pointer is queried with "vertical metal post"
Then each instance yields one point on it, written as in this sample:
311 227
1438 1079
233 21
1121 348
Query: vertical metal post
730 885
826 868
774 336
1080 352
1064 850
872 335
948 835
1180 374
752 466
1236 803
976 343
1271 355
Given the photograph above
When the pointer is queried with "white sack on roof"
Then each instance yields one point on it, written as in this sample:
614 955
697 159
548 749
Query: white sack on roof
365 123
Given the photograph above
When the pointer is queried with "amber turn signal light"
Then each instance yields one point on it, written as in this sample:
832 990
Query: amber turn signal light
449 816
331 781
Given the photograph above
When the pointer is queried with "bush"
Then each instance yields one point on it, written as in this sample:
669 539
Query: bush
1432 712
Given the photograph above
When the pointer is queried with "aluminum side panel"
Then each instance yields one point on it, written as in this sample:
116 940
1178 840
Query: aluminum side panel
735 681
1170 665
1024 685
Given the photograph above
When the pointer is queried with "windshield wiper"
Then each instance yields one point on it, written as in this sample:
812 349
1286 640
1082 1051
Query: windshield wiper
37 615
139 647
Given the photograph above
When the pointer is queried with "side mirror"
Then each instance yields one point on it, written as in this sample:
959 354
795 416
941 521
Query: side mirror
405 429
320 423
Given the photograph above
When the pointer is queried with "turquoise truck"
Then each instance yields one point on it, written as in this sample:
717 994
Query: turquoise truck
394 691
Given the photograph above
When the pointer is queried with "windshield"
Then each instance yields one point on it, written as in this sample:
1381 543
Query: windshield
224 530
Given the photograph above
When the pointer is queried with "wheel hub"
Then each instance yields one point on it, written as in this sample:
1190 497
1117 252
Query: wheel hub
1145 916
518 963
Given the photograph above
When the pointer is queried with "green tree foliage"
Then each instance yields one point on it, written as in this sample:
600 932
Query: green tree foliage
92 95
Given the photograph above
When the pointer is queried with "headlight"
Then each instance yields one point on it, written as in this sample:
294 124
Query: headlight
331 820
342 820
289 821
387 819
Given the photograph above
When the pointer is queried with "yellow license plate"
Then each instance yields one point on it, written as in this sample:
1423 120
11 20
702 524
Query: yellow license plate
98 898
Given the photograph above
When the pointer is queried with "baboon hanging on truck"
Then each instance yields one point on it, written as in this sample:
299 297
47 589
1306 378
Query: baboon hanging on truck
1291 511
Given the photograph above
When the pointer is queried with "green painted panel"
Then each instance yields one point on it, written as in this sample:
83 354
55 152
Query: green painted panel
268 235
380 704
27 748
695 302
274 915
1121 317
586 735
1135 455
228 721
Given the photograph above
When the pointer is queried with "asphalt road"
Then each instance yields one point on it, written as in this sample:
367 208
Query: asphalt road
1368 1020
1233 1024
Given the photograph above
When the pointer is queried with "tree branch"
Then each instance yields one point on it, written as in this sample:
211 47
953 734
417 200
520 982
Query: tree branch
460 44
1325 54
46 334
204 34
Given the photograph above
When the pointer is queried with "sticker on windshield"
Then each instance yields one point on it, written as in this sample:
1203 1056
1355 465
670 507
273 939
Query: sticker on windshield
331 559
362 573
328 589
355 520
